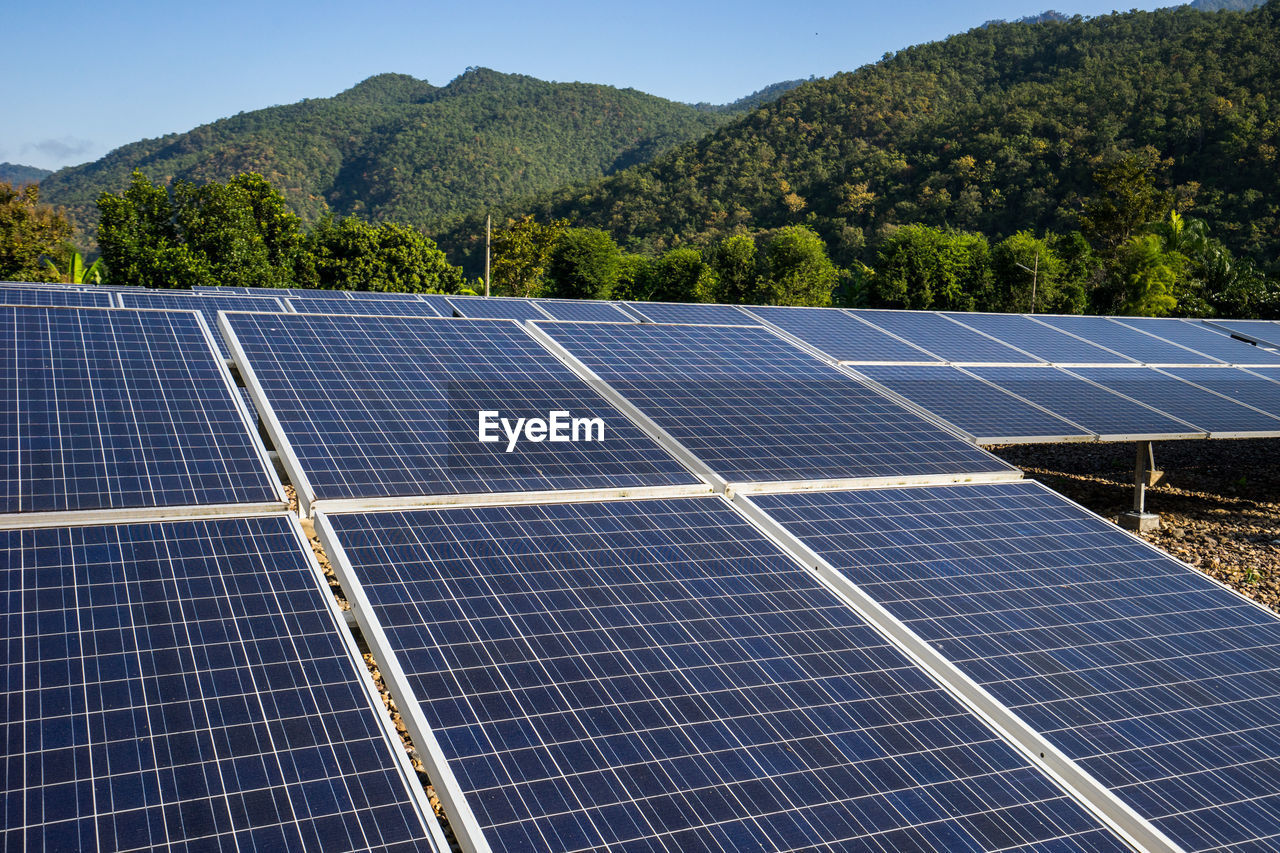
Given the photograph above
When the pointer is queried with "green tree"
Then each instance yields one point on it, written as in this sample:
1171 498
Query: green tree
735 265
139 241
76 272
1026 276
921 267
29 231
796 269
351 254
584 264
681 275
1126 200
635 278
1148 273
521 252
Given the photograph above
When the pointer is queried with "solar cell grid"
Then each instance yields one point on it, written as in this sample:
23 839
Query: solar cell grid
1248 387
839 334
1125 340
1202 338
1263 331
207 304
1105 413
1160 682
377 407
945 338
658 676
1208 411
680 312
114 409
985 412
55 296
389 306
756 409
187 685
1042 341
585 310
495 308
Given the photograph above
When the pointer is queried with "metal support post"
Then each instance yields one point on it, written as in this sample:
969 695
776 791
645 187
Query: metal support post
1145 476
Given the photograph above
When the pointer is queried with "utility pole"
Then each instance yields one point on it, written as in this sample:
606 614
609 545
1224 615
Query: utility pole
1035 276
488 232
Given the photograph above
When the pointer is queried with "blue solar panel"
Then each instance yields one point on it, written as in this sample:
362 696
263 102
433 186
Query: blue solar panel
64 296
1160 682
207 304
755 408
1103 412
1208 411
585 310
681 312
988 414
395 306
657 675
1251 387
389 406
496 308
945 338
1041 341
1263 331
839 334
111 409
184 686
440 302
1202 338
1139 346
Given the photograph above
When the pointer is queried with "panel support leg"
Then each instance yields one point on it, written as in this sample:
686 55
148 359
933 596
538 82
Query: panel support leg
1145 475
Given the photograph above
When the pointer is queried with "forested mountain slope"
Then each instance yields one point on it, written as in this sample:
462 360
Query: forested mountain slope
995 130
394 147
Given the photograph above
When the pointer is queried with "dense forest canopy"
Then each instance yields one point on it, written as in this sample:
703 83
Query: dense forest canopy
397 148
997 130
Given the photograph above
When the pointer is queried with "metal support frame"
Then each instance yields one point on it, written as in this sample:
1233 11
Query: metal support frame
1145 476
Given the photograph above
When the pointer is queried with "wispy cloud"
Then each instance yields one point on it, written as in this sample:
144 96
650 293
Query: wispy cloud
63 150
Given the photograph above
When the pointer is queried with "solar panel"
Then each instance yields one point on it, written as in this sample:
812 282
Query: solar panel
680 312
586 310
440 302
207 304
658 675
114 409
1160 682
495 308
63 296
1108 415
229 289
840 335
945 338
1243 386
1262 331
389 306
1139 346
1210 412
188 685
988 414
1042 341
1202 338
380 407
756 409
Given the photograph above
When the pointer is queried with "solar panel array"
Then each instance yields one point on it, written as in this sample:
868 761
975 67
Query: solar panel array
112 409
402 306
756 409
379 407
679 312
184 685
658 675
479 307
1159 681
207 304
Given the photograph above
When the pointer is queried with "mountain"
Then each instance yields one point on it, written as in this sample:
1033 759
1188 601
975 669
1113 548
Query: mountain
12 173
394 147
1226 5
995 130
1042 18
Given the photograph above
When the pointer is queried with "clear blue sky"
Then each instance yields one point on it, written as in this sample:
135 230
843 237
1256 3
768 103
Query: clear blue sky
83 78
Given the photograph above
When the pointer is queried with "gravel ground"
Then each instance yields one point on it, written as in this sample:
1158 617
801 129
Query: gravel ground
1219 501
